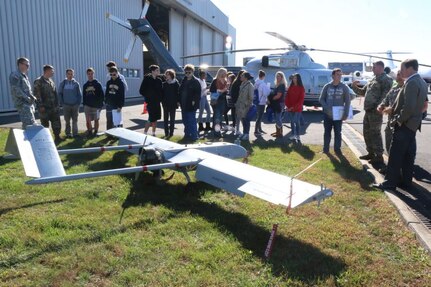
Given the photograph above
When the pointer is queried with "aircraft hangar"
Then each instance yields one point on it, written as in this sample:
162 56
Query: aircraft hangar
76 34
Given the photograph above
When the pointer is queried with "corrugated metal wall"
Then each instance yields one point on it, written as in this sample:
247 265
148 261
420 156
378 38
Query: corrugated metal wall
191 39
206 43
218 45
202 28
65 34
176 34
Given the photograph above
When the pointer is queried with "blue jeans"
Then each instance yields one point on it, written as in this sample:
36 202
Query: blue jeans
328 124
190 125
204 105
260 111
219 109
245 125
295 118
278 120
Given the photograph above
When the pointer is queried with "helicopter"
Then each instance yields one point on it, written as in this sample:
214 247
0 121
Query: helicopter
314 75
296 60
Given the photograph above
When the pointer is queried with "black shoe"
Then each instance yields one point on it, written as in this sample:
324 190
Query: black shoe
207 127
377 160
201 127
57 140
383 186
338 152
367 157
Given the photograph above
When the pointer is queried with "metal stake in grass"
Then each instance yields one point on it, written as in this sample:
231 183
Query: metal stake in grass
271 241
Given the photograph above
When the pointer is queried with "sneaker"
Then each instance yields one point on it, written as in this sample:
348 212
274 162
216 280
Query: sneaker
367 156
244 137
292 137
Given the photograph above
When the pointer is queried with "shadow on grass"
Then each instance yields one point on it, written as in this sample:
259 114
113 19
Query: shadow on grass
9 209
345 170
81 142
291 257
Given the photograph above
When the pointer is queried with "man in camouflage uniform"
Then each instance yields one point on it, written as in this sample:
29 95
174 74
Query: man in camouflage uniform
375 90
47 101
385 107
21 92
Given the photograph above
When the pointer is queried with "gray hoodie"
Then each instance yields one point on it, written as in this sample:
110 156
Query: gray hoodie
69 92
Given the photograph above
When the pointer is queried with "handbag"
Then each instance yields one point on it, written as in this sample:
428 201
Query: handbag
251 114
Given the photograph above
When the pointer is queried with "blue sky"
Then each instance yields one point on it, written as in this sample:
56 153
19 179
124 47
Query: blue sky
346 25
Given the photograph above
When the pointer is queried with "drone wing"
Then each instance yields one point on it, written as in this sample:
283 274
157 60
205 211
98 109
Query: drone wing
37 150
126 136
241 179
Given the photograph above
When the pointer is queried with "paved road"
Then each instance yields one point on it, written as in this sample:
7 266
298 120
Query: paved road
423 138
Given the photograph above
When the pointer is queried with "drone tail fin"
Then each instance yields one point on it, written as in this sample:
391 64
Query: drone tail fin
37 151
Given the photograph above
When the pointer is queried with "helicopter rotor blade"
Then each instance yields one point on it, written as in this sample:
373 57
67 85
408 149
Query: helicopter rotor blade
290 42
233 51
362 55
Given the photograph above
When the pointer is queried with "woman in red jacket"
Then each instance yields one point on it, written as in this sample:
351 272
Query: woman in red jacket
294 102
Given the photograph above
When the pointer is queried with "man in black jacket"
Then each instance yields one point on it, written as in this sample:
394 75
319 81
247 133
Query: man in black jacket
114 99
92 98
151 89
190 94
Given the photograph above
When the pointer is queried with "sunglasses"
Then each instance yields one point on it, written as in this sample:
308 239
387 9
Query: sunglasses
188 73
113 75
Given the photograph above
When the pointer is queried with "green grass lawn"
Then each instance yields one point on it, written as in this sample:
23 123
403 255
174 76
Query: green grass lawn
115 231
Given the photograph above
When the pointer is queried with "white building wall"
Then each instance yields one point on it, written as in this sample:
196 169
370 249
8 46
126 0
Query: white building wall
206 44
191 39
176 36
66 34
218 45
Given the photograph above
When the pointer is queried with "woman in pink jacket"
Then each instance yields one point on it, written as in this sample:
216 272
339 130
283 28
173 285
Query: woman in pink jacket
294 102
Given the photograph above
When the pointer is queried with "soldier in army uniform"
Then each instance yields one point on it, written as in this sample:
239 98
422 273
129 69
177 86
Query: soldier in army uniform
21 92
375 90
47 101
385 107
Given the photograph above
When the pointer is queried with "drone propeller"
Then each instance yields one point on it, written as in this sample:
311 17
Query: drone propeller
126 24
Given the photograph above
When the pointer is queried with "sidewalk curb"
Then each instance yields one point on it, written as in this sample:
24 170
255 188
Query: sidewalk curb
423 235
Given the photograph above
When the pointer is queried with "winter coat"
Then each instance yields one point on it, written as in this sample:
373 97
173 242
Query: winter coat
245 99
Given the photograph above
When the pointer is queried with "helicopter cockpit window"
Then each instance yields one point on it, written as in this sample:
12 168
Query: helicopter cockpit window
322 81
287 62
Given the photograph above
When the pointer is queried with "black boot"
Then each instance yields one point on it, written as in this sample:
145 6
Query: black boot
207 127
201 127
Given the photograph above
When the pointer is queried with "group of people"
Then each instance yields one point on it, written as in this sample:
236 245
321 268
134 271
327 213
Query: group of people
405 102
47 99
239 94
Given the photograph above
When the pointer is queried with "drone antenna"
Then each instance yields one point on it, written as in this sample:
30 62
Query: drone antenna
289 207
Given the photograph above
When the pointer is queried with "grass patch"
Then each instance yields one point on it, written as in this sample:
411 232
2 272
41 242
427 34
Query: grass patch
115 231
